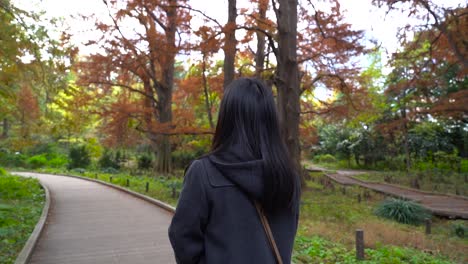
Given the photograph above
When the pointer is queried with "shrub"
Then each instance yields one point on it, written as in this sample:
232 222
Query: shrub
37 161
402 211
327 158
459 229
79 170
57 162
110 170
107 161
8 159
145 162
3 172
79 157
182 158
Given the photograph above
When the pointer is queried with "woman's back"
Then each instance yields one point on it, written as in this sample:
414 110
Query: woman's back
216 220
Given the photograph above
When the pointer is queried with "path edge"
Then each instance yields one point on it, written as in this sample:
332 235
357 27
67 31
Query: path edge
156 202
28 248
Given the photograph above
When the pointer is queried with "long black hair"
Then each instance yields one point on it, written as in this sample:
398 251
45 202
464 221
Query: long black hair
248 116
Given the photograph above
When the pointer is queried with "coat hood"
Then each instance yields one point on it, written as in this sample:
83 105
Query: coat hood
245 173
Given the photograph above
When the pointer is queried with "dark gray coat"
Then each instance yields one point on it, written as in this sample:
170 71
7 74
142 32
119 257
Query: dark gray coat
215 221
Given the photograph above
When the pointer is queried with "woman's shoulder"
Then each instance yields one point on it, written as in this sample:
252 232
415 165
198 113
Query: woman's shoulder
207 173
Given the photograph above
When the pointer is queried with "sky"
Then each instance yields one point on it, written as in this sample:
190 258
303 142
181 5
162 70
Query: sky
361 14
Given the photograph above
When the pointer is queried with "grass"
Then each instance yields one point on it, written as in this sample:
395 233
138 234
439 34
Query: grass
330 216
21 203
334 215
316 249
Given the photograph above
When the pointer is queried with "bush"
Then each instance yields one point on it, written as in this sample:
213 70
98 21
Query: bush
8 159
3 172
402 211
459 229
79 157
327 158
49 149
110 170
37 161
57 162
145 162
107 161
182 158
79 170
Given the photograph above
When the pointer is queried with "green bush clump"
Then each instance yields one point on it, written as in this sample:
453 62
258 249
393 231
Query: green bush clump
79 157
182 158
145 162
79 170
2 172
402 211
10 159
459 229
37 161
57 162
108 161
327 158
110 170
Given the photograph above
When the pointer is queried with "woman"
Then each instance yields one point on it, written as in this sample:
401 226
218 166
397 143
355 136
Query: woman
216 220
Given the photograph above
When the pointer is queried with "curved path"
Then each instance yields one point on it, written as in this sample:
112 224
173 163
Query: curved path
92 223
450 206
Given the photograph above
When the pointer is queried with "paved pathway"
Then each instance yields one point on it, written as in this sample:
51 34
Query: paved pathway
439 204
96 224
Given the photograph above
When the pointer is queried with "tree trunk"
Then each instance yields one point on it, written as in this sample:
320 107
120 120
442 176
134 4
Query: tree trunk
230 43
405 136
5 128
164 92
205 90
260 54
287 78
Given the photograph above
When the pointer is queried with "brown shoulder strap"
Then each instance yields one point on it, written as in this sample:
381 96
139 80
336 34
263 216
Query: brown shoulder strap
268 232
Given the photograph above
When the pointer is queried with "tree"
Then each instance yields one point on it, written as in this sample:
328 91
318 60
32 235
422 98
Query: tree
230 43
449 23
33 69
142 62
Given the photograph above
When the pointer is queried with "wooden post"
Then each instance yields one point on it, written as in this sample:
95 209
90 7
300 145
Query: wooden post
360 244
343 190
147 186
359 198
110 179
95 175
128 183
428 226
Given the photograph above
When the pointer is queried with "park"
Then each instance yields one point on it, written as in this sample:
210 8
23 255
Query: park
104 104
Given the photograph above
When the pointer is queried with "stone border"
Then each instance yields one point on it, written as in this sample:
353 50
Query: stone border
158 203
28 248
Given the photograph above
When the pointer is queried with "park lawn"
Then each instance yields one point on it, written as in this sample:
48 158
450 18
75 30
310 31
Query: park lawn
21 203
328 220
334 214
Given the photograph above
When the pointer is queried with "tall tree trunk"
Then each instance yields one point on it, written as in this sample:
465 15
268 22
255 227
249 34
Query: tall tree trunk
164 92
287 77
405 138
230 43
5 128
205 90
260 54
